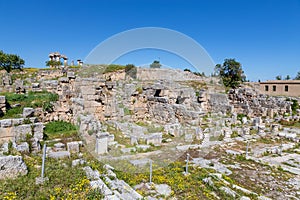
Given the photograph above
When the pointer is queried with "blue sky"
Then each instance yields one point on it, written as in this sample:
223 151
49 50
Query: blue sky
264 35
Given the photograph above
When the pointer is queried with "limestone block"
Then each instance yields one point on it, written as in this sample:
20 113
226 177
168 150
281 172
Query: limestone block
12 166
38 130
23 147
20 132
154 138
6 123
71 75
2 99
28 112
73 147
59 154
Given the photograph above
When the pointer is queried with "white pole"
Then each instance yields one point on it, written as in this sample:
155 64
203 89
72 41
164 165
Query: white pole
187 163
43 161
150 171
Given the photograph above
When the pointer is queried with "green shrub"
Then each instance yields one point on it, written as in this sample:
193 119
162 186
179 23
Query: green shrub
113 68
131 71
127 111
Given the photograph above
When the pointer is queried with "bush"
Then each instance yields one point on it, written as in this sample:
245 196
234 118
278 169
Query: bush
131 71
113 68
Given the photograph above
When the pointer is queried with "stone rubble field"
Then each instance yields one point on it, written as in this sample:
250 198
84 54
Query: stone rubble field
107 127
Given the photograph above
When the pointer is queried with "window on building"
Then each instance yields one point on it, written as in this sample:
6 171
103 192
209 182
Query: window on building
266 88
286 88
274 88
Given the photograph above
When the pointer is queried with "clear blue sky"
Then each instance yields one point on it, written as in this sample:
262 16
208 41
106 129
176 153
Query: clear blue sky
264 35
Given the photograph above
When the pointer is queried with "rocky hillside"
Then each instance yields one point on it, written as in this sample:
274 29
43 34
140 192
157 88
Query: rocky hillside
107 128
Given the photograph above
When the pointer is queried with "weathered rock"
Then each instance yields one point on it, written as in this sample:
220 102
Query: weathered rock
73 147
12 166
228 191
23 147
163 189
91 174
5 123
63 80
2 100
99 184
35 85
59 154
154 138
38 130
78 162
71 75
28 112
128 150
20 132
102 143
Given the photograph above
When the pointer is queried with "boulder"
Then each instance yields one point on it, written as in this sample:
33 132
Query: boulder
163 189
12 166
23 147
5 123
78 162
71 75
59 154
73 147
28 112
2 99
228 191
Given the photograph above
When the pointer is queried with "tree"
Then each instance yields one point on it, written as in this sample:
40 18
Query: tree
278 77
187 70
10 61
155 64
297 76
231 73
131 70
287 77
53 63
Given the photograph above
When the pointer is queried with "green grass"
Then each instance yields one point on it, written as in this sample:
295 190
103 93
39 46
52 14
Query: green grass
32 99
183 186
65 182
150 127
113 68
119 136
56 129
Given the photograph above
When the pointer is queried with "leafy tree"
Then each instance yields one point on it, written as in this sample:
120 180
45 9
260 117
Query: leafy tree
53 63
231 73
155 64
199 73
278 77
187 70
297 76
287 77
10 61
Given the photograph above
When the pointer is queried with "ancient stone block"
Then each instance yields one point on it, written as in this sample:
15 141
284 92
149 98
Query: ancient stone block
38 130
28 112
59 154
73 147
12 166
20 132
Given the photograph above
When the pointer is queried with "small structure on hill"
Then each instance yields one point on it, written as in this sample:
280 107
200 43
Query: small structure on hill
280 87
